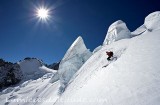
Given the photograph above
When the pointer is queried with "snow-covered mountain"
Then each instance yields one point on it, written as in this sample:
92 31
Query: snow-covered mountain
29 68
34 76
130 78
33 68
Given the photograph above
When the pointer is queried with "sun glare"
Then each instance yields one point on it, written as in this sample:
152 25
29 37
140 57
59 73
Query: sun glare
42 13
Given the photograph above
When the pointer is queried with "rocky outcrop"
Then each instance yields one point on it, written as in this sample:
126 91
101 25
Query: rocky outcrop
10 73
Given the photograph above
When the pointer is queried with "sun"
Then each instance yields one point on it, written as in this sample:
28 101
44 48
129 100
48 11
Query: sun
43 13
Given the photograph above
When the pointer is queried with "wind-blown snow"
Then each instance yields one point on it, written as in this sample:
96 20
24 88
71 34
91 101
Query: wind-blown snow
118 30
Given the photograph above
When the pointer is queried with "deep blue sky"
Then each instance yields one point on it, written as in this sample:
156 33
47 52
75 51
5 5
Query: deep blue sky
22 36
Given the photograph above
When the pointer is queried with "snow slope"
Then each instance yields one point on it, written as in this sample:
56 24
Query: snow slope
133 79
31 92
35 88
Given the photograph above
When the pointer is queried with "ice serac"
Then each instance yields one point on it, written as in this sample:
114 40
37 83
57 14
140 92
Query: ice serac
118 30
74 58
152 21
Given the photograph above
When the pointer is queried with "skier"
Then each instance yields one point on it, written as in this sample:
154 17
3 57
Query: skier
110 54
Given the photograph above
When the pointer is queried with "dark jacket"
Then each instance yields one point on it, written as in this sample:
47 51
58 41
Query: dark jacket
110 54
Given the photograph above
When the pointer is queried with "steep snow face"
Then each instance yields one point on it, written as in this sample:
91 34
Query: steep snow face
74 58
152 21
33 68
132 79
118 30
